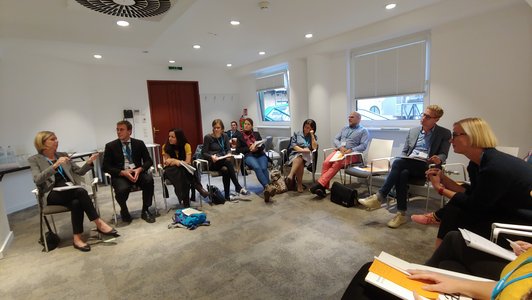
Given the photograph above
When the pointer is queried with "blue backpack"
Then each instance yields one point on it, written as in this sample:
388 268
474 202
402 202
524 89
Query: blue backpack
190 221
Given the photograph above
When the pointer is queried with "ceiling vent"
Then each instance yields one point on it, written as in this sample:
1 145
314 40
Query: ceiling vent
128 8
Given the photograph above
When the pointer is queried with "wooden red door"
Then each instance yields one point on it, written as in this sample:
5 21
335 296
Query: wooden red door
175 104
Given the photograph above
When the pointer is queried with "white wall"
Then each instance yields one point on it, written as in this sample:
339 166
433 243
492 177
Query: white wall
481 65
82 104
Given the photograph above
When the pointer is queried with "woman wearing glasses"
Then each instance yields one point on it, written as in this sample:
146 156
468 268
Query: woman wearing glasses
500 185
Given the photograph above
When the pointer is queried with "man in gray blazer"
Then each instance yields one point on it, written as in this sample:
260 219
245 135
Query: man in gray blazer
426 144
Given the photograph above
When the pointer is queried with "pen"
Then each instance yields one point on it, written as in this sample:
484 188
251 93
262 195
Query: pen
515 246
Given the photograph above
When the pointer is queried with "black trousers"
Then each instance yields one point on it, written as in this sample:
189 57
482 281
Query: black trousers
79 202
359 289
228 174
122 187
453 254
182 181
402 171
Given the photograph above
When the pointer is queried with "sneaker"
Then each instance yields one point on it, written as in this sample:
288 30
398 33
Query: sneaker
425 219
232 199
244 192
397 221
372 202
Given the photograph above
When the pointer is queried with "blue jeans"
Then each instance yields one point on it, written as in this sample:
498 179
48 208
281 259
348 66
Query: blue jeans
259 164
402 170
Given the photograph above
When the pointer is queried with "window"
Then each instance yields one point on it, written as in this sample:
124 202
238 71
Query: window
272 97
390 80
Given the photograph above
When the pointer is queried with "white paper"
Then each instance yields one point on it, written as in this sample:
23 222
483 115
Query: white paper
474 240
66 188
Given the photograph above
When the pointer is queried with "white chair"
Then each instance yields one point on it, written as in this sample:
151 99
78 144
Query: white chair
509 150
512 229
377 162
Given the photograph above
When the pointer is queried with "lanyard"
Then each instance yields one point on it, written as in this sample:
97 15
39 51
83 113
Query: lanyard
221 143
127 151
499 287
59 169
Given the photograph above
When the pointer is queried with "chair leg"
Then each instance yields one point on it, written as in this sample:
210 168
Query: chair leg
114 206
427 202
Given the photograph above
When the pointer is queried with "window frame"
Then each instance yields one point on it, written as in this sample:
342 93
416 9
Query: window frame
384 46
260 103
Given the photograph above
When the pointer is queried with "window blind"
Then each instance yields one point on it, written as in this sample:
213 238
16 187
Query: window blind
274 81
390 71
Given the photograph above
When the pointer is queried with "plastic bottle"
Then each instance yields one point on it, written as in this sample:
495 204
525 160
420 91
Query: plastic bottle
10 155
2 156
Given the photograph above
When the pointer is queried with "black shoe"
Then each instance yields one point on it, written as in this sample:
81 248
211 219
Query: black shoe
316 186
125 216
201 190
320 192
147 216
267 196
85 248
289 183
111 232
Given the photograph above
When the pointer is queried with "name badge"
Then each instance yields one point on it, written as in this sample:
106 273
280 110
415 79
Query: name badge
343 143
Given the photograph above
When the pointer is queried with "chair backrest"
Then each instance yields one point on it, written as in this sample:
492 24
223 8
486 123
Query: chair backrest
269 143
509 150
379 149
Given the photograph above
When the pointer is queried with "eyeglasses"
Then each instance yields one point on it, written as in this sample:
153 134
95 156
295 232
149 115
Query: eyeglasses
427 116
457 134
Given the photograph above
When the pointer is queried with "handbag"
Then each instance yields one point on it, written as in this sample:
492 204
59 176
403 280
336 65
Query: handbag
344 195
52 239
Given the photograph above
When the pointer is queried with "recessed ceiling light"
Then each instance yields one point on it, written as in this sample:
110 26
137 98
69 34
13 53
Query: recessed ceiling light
262 53
235 22
172 61
308 35
97 56
196 46
122 23
229 65
391 6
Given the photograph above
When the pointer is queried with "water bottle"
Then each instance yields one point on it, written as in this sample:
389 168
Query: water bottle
2 156
10 155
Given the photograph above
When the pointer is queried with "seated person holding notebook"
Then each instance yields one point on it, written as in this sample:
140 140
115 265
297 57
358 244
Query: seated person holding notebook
519 268
352 138
500 184
429 142
215 149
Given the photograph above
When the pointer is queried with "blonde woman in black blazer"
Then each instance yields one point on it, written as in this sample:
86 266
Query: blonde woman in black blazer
51 169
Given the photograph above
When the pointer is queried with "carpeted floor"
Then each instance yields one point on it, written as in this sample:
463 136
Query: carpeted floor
299 247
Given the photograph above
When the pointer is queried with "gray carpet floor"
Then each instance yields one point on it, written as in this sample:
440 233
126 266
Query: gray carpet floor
298 247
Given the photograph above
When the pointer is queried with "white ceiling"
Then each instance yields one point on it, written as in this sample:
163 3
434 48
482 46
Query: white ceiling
66 29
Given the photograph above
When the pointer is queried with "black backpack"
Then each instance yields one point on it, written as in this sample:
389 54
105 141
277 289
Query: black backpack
217 197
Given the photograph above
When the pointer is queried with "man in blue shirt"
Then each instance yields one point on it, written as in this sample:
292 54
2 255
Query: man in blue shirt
426 144
352 138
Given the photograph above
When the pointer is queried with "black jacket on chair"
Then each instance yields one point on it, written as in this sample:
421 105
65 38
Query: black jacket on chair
113 159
